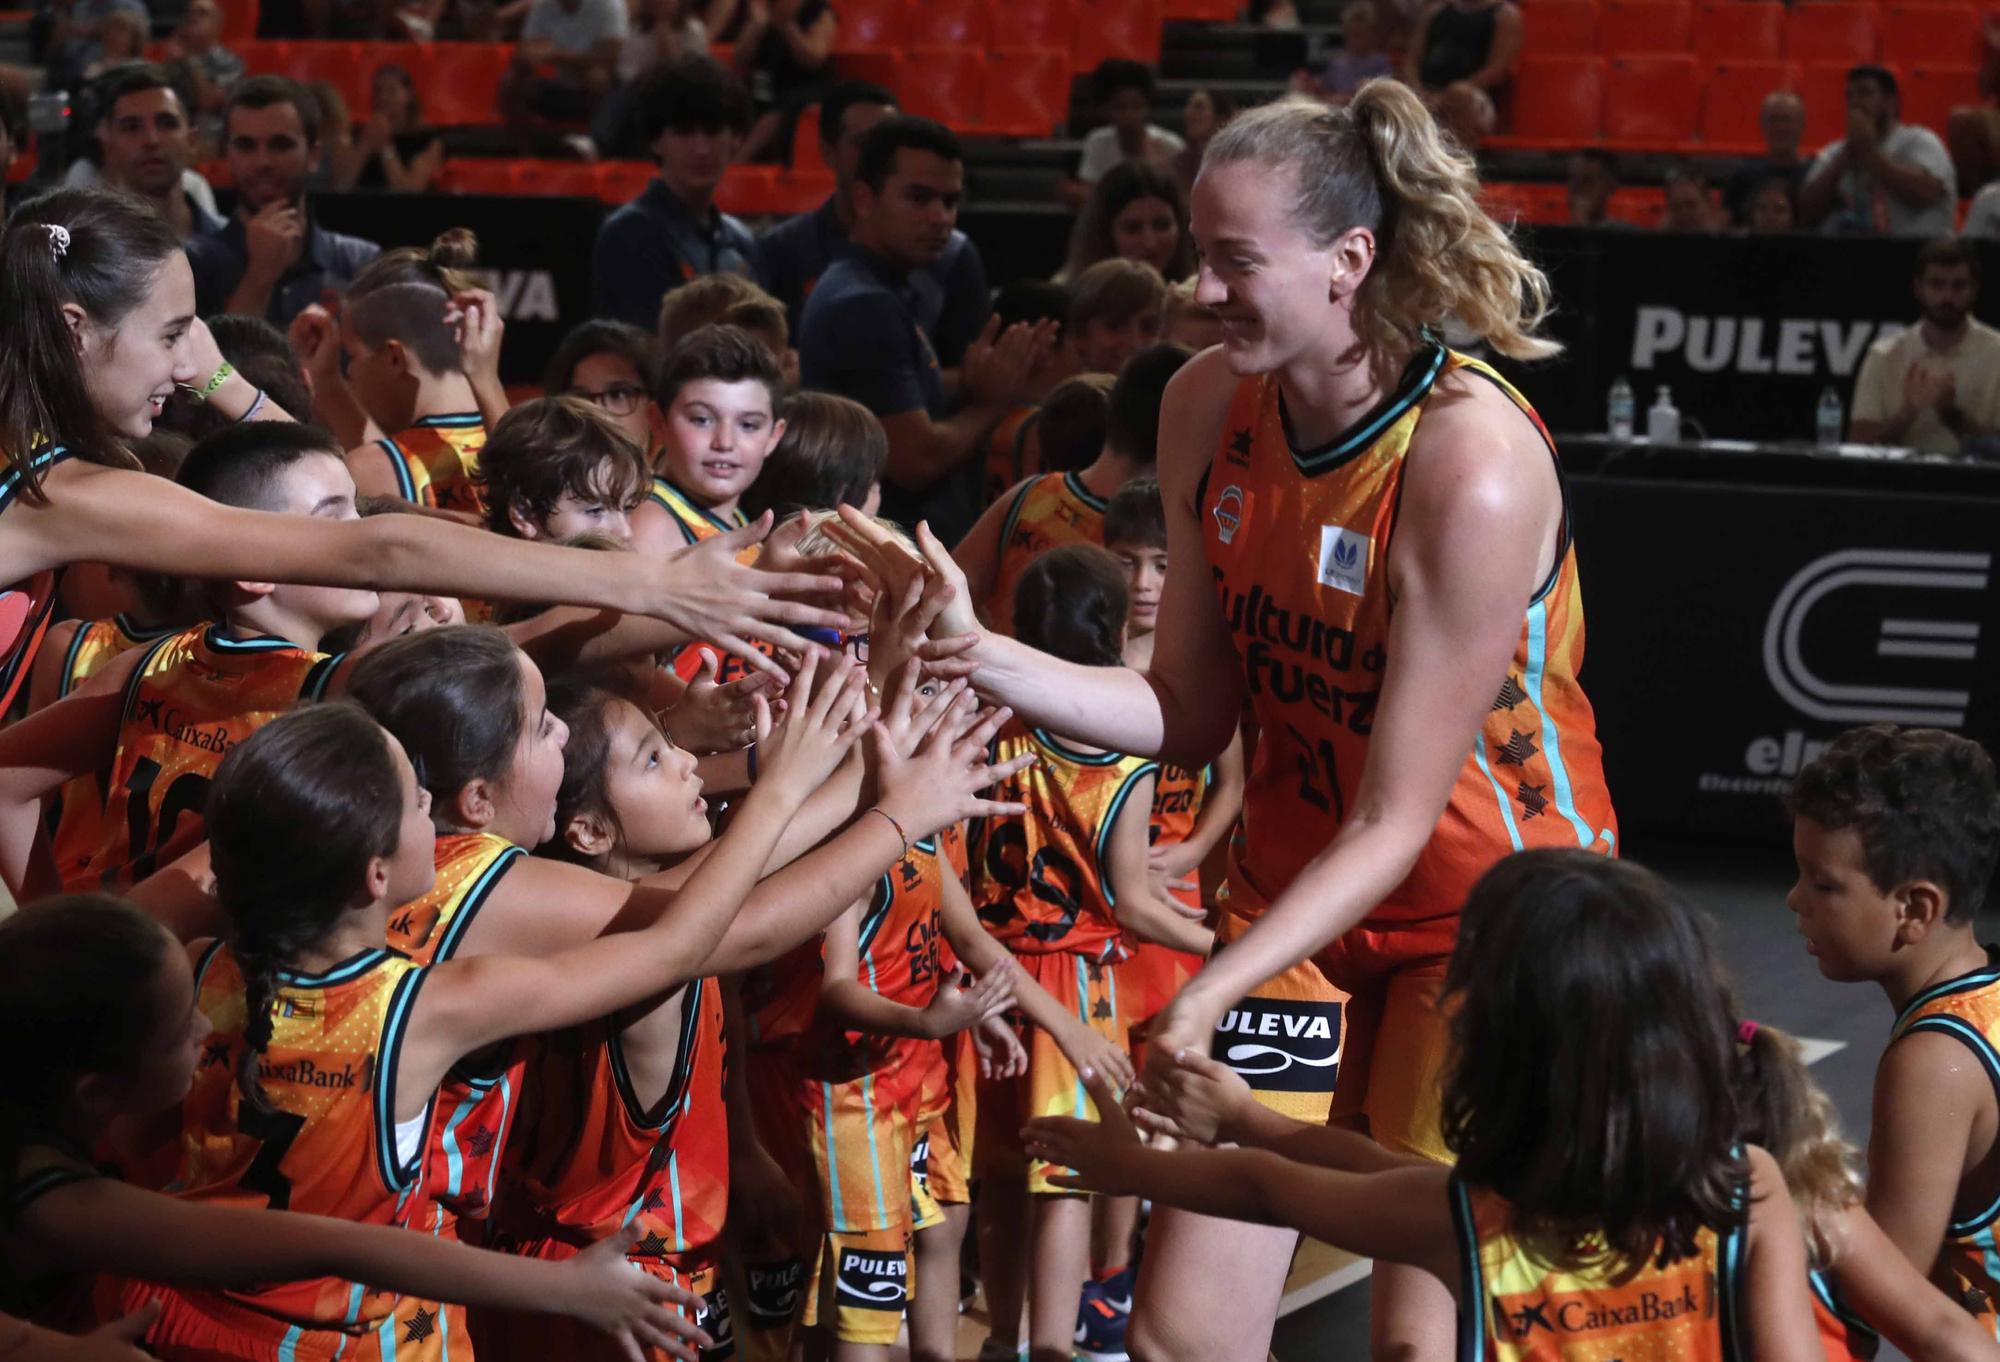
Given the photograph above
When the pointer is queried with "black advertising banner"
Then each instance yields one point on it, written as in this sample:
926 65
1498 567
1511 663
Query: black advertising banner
1733 630
534 253
1747 331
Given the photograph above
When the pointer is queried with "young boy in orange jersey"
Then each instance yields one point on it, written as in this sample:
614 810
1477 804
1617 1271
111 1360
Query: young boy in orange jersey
1897 834
1068 508
1067 888
406 368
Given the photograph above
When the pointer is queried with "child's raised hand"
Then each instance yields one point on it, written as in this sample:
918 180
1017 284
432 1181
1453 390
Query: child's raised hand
704 591
1086 1048
826 710
939 784
716 718
999 1049
954 1007
1198 1098
638 1310
118 1341
1097 1153
900 623
475 317
911 706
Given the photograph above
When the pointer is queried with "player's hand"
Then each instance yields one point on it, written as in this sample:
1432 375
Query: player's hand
826 711
1098 1153
997 366
954 1007
716 718
475 317
118 1341
999 1048
939 784
704 591
1183 1025
273 239
901 621
638 1310
1173 860
1086 1048
912 705
1199 1099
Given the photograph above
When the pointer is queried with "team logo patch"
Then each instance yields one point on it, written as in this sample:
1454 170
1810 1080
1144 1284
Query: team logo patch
715 1319
920 1161
773 1292
872 1280
1228 513
1343 559
1281 1044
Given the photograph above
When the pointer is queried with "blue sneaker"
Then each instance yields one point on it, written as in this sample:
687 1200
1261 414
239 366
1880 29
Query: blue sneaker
1115 1290
1100 1331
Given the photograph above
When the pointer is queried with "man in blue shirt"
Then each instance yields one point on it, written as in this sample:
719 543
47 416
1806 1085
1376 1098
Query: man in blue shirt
862 335
694 114
952 301
271 260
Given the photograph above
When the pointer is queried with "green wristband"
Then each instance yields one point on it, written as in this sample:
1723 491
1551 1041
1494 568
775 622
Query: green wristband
221 377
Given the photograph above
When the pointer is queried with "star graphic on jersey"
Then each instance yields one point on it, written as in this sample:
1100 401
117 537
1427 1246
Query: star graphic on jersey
149 711
653 1200
1101 1010
421 1326
652 1246
215 1052
1510 695
1516 751
479 1142
1533 801
1527 1317
1239 446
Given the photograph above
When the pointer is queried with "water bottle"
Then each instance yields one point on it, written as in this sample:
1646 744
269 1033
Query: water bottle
1663 418
1622 406
1828 419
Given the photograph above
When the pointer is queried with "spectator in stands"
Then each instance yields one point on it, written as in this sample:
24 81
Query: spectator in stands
1690 203
147 146
950 295
1206 111
785 53
1973 132
1357 60
121 41
1116 309
1461 57
861 336
76 35
1136 212
1936 386
1593 178
1783 122
338 156
395 150
566 64
271 259
1122 91
663 32
614 367
1774 207
693 114
1886 177
203 70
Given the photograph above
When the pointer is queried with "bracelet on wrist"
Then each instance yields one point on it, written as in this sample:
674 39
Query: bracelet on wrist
216 380
250 412
901 836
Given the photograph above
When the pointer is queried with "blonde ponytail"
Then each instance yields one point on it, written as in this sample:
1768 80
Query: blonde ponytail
1382 163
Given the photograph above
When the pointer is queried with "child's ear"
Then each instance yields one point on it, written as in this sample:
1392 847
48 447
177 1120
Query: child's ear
589 834
777 432
474 806
1921 908
524 524
376 879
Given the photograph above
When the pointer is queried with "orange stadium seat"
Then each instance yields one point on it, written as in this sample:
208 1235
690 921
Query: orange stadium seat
949 23
1831 31
872 26
1215 11
239 22
1644 26
1732 97
947 84
339 64
806 151
1930 93
1651 100
622 181
1640 205
1116 28
1556 27
1937 35
1027 93
460 82
572 179
882 68
1739 30
483 175
1558 102
1033 25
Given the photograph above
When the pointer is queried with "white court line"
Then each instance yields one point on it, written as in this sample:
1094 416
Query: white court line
1814 1051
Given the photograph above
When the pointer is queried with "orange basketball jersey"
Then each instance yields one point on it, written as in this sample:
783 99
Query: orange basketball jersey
1046 512
1516 1307
593 1156
97 642
436 462
1299 543
196 694
24 606
1039 881
330 1146
1177 796
697 523
478 1099
1006 451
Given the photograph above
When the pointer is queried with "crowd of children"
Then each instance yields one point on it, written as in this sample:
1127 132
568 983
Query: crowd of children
471 849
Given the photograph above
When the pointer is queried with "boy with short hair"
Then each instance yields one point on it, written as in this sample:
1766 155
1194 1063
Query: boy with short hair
729 300
832 454
557 468
1116 309
1897 832
406 368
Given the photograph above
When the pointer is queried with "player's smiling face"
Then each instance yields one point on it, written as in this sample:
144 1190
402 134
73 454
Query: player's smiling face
718 435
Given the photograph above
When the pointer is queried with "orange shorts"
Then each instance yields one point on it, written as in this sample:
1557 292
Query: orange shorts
1365 1011
860 1285
1051 1087
206 1326
947 1121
